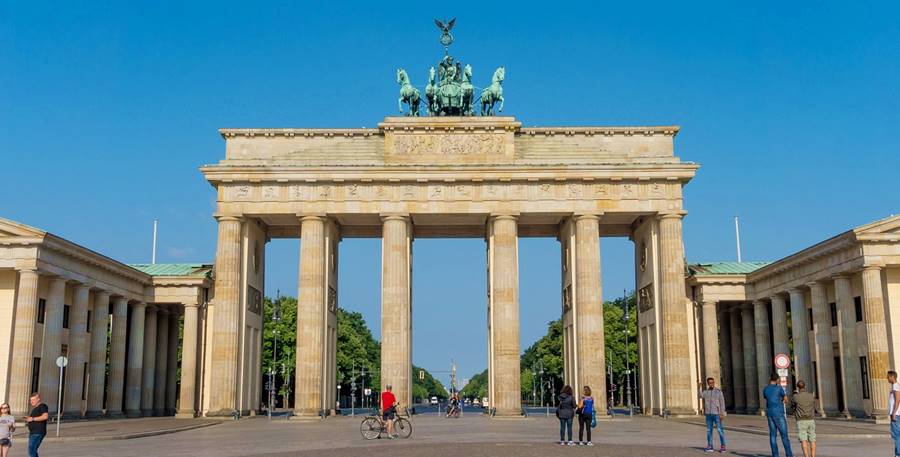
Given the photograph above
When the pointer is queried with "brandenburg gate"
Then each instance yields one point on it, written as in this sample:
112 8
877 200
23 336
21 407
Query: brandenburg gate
451 176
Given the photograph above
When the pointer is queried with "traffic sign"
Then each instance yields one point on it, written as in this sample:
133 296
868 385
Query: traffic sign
62 361
783 372
782 361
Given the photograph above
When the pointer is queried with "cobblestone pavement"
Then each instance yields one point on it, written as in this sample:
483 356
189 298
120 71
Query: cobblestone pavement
470 436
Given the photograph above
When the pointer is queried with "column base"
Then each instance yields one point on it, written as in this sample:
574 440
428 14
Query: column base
115 414
146 413
71 415
509 413
185 415
132 413
93 414
222 413
159 412
682 412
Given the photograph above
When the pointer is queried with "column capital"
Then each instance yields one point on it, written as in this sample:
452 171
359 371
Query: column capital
758 301
228 217
671 214
839 276
504 216
28 270
815 284
795 291
394 217
873 268
748 306
709 302
589 216
776 296
138 304
191 305
312 216
100 292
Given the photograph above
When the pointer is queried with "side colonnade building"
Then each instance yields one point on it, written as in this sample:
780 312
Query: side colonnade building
834 308
120 327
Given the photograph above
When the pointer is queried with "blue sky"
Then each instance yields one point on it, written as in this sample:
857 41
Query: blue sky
107 110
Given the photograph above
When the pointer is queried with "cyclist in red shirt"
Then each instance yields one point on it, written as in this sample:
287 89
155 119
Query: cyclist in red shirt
388 409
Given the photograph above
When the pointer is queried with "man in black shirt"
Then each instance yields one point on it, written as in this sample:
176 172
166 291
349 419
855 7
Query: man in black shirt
37 424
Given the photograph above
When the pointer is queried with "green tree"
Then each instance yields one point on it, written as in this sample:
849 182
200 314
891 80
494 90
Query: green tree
615 331
546 352
476 387
280 337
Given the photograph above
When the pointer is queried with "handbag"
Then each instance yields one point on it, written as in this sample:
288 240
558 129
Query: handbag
578 411
593 419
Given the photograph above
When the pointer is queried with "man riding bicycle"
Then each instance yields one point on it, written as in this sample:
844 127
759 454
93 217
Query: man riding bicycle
388 409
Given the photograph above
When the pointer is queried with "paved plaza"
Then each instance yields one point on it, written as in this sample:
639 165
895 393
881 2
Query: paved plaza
472 435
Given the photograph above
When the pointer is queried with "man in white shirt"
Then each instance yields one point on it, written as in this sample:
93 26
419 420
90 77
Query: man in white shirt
893 406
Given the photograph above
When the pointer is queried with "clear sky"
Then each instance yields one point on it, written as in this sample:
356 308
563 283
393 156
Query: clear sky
107 110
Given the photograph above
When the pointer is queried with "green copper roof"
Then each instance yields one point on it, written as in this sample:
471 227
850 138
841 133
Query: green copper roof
174 269
725 268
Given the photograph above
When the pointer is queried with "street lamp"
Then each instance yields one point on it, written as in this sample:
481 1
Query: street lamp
627 353
276 308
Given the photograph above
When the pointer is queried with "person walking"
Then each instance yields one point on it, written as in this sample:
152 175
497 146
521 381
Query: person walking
585 413
776 398
714 409
804 405
893 407
565 412
37 424
7 427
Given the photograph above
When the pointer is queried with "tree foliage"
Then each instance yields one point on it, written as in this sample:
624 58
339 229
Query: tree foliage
358 355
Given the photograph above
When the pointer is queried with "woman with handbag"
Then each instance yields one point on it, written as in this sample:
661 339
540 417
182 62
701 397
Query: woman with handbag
7 427
585 413
565 412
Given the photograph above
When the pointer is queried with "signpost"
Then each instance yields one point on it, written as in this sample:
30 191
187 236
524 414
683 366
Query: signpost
782 363
61 362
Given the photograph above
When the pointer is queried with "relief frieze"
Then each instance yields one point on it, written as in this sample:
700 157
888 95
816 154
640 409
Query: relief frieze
448 191
454 144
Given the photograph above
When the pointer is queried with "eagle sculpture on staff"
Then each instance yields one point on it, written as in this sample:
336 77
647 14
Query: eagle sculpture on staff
446 37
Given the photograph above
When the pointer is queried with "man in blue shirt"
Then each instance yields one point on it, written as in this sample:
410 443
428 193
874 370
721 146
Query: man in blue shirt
775 401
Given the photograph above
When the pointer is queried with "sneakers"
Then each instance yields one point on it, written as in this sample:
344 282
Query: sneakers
562 443
590 443
722 449
709 448
571 443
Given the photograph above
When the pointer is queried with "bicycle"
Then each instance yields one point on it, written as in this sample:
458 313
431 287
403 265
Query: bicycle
372 427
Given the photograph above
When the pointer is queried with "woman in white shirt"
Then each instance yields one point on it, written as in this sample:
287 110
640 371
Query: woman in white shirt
7 427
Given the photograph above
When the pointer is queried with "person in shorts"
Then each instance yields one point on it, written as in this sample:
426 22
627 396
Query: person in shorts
7 427
804 405
388 409
894 409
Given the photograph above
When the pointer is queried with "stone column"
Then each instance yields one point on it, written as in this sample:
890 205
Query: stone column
725 351
737 362
679 388
849 351
800 332
828 400
97 367
53 326
148 372
591 350
23 342
711 342
135 360
876 339
162 354
223 376
750 377
779 327
763 349
116 394
172 363
396 307
505 331
311 308
78 348
187 398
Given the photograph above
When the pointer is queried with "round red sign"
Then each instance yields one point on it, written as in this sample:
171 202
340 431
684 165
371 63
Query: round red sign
782 361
